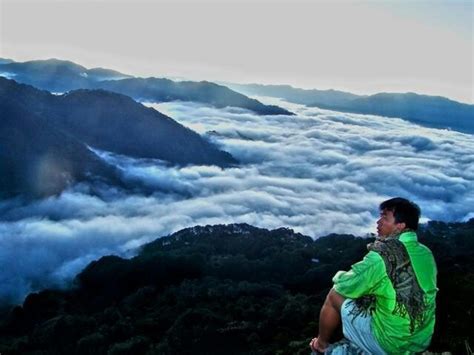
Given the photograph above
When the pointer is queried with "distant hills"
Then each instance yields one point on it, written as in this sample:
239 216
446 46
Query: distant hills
233 289
56 75
163 90
296 95
61 76
38 159
431 111
38 127
6 61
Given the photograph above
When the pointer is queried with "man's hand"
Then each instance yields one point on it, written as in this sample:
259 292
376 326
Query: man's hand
317 346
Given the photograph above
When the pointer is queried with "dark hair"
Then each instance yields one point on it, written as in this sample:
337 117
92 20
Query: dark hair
403 210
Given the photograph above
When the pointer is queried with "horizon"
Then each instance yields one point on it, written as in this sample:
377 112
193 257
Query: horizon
224 83
420 47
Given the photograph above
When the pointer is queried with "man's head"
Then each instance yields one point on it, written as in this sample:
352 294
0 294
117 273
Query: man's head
396 215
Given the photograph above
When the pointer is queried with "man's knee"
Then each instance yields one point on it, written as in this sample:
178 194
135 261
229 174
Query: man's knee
335 299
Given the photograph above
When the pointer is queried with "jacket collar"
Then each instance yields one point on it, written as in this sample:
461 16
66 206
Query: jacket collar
409 236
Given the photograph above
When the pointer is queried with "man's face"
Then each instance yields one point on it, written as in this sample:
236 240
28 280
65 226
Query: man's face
386 224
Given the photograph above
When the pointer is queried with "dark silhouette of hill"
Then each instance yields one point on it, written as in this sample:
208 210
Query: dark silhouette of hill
232 289
36 123
38 159
6 61
99 74
163 90
431 111
116 123
296 95
61 76
57 75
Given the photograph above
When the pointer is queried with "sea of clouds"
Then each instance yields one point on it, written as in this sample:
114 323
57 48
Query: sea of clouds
317 172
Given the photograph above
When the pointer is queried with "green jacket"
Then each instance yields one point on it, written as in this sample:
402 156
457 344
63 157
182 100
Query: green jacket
369 276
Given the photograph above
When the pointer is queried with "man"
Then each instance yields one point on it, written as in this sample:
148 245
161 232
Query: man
386 302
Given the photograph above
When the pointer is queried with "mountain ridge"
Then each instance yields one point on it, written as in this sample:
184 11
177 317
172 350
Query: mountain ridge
38 159
90 118
431 111
57 75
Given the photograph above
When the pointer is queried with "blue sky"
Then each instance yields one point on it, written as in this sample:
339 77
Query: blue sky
358 46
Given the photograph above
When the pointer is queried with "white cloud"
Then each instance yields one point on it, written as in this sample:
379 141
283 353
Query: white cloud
318 172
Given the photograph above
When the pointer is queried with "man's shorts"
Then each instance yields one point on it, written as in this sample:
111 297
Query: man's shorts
358 330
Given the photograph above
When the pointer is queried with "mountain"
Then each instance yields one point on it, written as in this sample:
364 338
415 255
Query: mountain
163 90
38 124
56 75
234 289
6 61
98 74
38 159
116 123
431 111
61 76
295 95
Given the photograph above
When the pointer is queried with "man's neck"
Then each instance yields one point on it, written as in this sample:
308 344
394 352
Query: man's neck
395 234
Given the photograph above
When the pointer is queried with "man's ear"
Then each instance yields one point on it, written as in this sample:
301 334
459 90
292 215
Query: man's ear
401 226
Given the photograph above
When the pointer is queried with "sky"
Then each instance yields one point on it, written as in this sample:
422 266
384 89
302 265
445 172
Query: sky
363 47
318 172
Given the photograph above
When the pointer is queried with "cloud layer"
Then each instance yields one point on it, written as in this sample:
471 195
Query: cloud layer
318 172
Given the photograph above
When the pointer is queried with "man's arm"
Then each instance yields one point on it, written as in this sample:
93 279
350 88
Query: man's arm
329 320
358 281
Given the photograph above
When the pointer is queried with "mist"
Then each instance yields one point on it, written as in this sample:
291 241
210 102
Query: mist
318 172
